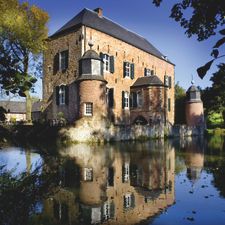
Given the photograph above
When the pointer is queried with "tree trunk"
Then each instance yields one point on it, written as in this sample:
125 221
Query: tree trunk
28 106
27 93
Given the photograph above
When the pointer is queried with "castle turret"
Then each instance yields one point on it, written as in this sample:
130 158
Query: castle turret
194 107
92 85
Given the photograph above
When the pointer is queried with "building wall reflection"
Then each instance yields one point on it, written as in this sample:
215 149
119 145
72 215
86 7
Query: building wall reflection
113 185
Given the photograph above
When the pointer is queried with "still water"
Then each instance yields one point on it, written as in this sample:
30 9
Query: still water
173 182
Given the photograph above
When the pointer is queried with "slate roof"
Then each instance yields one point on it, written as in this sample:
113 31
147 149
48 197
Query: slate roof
14 107
91 19
193 88
148 81
91 54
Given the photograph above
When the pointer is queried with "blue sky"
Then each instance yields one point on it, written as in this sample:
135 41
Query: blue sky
143 18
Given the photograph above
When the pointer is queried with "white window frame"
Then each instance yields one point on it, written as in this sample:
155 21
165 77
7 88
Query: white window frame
148 72
128 69
126 100
126 172
88 111
106 60
62 60
127 200
62 95
88 174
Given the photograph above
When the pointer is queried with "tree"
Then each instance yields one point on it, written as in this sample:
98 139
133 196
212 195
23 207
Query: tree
204 19
214 97
180 97
23 33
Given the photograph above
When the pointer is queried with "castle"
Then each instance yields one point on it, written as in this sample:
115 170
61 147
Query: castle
94 67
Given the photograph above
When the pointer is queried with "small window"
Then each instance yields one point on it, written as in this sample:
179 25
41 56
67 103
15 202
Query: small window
128 70
126 172
63 60
62 95
128 201
148 72
88 174
126 100
106 60
88 109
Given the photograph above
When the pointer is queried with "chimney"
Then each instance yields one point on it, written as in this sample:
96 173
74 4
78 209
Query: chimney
99 11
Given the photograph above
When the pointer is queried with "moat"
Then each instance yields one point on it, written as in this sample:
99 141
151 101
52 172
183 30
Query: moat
159 182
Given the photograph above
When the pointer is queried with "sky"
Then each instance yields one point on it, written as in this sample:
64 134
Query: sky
143 18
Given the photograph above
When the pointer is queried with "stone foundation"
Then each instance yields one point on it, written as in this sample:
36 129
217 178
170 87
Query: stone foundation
97 130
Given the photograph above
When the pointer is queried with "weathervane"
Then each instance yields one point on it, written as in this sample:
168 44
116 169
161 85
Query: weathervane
192 79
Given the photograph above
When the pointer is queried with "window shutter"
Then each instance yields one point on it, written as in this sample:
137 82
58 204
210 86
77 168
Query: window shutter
135 100
132 71
101 55
170 82
57 94
111 97
111 64
124 68
123 100
112 210
131 100
67 94
145 72
80 67
132 200
56 64
67 59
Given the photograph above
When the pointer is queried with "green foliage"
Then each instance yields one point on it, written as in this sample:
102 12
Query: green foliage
23 35
180 97
214 97
215 119
203 19
20 194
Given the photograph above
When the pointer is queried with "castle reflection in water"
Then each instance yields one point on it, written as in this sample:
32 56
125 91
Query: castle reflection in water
112 184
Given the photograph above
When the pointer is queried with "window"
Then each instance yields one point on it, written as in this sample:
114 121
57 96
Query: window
108 62
88 174
110 98
128 201
148 72
126 172
169 104
88 109
62 95
63 60
128 70
125 100
139 99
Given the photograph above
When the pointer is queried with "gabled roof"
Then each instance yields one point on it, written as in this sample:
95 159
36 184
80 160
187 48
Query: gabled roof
13 106
91 19
148 81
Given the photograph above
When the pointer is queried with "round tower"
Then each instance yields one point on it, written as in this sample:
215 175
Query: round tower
194 107
91 86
